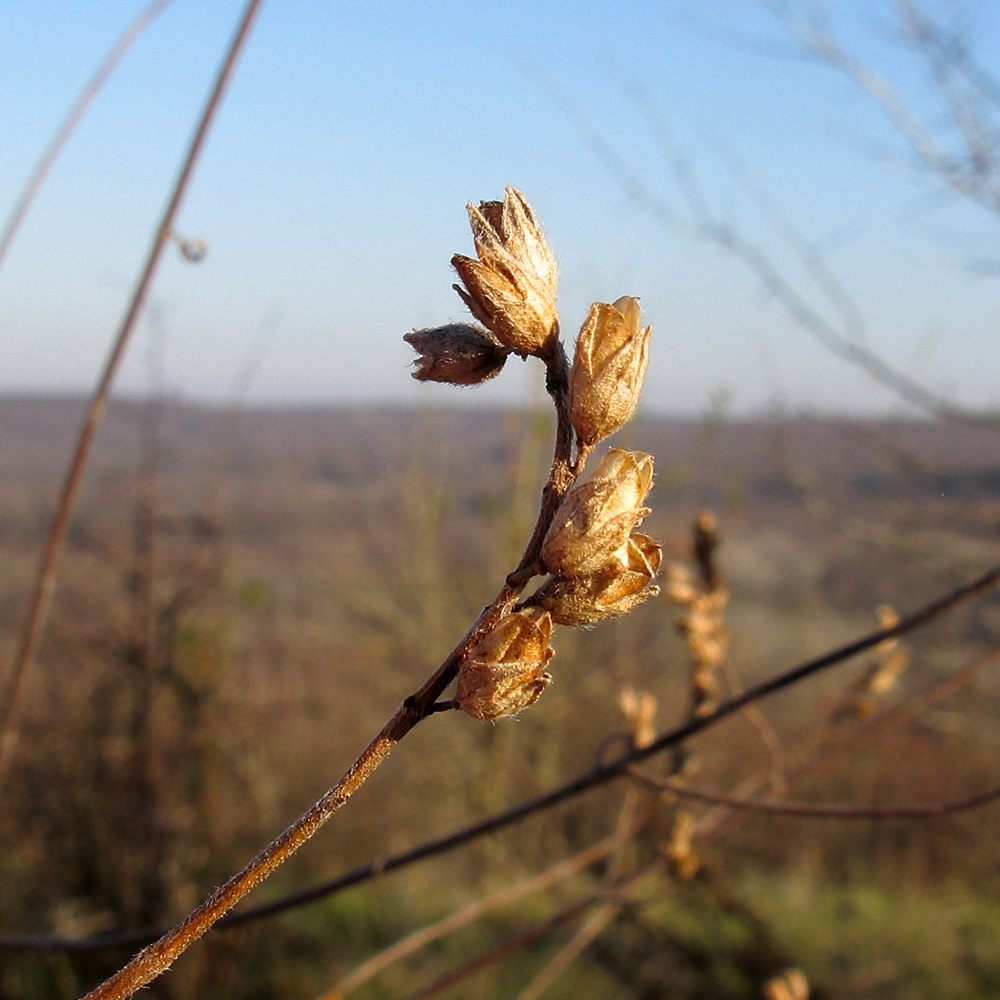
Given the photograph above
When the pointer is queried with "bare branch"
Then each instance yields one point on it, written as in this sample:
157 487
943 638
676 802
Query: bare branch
788 807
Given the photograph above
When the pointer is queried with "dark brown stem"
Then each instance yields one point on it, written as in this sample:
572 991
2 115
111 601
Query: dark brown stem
814 810
45 580
158 957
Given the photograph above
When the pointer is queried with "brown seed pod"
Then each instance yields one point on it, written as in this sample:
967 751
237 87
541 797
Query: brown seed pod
505 671
458 354
587 600
511 288
609 366
592 525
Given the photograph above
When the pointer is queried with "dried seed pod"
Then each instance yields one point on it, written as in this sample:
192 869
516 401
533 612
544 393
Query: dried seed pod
639 708
684 863
609 365
789 985
592 525
511 289
587 600
505 671
458 353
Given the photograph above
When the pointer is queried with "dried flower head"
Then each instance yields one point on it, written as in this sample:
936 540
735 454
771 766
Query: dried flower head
511 288
626 582
458 353
609 365
505 671
593 523
789 985
684 863
639 709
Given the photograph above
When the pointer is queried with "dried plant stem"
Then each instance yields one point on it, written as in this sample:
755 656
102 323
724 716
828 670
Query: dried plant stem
613 897
72 119
598 920
566 955
425 935
509 947
717 820
45 580
921 810
158 957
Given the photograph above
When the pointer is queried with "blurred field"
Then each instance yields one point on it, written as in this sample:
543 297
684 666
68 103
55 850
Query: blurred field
246 597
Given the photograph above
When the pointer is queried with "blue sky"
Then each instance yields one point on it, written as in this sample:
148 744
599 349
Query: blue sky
333 185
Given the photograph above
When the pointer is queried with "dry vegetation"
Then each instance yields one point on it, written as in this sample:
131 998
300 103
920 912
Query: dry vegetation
244 596
289 607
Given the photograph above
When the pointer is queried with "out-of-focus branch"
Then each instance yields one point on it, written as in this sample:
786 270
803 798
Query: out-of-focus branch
509 947
45 580
973 174
72 119
787 807
702 224
455 921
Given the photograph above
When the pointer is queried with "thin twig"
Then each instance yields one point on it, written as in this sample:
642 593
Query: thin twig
509 947
454 921
788 807
598 920
719 819
573 948
45 581
72 119
158 957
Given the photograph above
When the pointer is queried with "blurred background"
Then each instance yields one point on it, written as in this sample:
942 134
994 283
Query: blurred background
280 533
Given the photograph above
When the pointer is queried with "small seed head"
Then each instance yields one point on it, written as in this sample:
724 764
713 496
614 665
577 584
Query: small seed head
505 671
639 709
609 366
511 288
587 600
458 353
591 528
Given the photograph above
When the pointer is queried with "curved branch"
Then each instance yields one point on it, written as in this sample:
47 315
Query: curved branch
45 578
787 807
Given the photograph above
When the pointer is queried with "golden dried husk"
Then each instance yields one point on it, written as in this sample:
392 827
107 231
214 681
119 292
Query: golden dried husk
609 365
593 523
505 671
511 288
587 600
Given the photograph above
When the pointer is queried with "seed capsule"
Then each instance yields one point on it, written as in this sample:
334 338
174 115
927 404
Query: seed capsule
458 354
609 366
511 288
587 600
505 671
593 523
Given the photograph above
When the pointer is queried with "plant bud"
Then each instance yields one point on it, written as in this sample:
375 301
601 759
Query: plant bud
505 671
591 527
511 289
458 354
612 352
587 600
